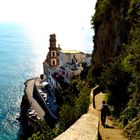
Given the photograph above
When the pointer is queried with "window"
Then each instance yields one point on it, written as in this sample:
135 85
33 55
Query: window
53 54
53 62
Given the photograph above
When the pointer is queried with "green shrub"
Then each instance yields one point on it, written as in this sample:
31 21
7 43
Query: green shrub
45 132
76 104
102 8
116 81
132 130
128 114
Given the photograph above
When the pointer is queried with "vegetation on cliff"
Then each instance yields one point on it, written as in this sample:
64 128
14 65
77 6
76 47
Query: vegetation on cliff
73 102
117 53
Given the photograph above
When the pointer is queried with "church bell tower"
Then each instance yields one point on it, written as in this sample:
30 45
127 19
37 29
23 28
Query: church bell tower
53 52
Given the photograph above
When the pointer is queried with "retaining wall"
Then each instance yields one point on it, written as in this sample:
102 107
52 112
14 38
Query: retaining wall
85 128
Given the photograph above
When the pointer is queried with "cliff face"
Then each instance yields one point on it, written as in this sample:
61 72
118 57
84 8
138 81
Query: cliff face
111 30
117 39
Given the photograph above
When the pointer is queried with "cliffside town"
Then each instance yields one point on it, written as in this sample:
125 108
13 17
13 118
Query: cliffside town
60 66
115 67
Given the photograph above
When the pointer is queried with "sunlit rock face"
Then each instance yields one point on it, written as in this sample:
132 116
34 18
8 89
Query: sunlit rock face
111 30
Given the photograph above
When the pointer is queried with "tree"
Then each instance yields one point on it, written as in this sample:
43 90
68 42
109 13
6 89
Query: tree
116 81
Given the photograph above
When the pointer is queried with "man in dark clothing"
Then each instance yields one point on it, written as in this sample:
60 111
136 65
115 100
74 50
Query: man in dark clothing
104 111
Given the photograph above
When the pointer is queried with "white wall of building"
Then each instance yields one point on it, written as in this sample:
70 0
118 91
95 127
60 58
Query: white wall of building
68 56
61 59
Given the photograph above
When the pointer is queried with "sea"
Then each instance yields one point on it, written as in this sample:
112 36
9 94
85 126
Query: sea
20 59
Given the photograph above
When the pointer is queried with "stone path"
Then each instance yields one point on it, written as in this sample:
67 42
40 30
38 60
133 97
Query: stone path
111 133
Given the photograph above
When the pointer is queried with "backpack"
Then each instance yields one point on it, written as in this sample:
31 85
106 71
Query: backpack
105 110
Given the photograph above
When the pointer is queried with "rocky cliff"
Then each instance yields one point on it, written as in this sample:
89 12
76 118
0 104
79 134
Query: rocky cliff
111 30
117 53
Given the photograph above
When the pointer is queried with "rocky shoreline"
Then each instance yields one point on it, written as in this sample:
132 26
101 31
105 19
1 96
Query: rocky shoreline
23 118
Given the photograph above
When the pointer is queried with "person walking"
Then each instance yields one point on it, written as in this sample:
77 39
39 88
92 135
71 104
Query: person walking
104 112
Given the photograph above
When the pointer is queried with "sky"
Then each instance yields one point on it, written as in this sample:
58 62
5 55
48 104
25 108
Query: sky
68 19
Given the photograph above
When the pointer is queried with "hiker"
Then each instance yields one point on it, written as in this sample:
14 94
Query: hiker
104 112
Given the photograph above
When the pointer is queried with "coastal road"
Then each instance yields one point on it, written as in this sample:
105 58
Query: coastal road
29 92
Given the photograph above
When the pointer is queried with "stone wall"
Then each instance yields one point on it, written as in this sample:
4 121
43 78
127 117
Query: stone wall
86 128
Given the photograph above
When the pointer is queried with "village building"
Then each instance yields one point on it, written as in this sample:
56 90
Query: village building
72 57
59 67
63 63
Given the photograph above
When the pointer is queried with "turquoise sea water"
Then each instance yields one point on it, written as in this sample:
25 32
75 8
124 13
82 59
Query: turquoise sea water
19 61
